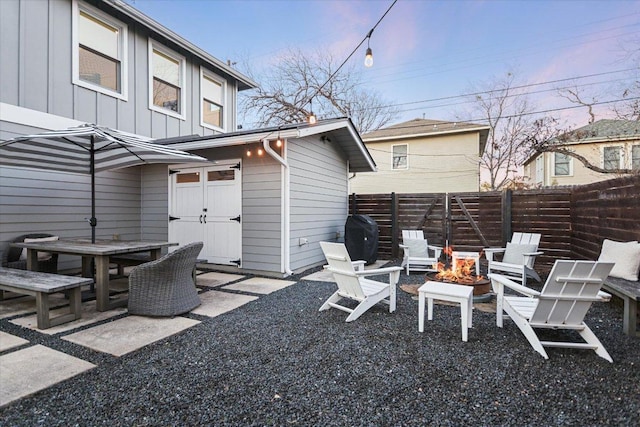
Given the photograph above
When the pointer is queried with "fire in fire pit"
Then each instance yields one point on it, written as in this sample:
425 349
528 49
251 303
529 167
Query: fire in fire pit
461 274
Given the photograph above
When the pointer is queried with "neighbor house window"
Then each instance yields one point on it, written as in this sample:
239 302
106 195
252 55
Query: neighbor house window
561 164
399 156
212 93
611 157
99 52
540 170
635 157
167 77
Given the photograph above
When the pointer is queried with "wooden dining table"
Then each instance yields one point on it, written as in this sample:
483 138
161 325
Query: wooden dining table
100 251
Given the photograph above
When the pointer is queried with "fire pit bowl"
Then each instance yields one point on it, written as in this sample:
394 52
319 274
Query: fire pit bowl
481 286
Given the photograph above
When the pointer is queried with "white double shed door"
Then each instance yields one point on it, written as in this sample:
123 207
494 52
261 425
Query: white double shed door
205 206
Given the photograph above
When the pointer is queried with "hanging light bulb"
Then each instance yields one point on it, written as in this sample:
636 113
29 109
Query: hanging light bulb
312 117
368 57
278 142
259 151
248 153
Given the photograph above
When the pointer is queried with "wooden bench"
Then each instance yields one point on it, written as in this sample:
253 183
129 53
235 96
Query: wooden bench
629 292
41 285
129 260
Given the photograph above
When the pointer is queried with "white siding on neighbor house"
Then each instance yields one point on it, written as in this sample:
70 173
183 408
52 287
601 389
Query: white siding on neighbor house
319 198
39 76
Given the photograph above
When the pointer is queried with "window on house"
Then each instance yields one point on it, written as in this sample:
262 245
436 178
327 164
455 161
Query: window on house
399 157
635 157
561 164
540 170
212 102
167 81
99 51
611 157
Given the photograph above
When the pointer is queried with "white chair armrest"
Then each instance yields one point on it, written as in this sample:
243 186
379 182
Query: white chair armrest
604 296
533 253
358 265
499 281
488 252
377 271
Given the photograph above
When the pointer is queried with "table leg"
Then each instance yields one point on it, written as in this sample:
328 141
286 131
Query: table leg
32 260
430 308
102 283
155 254
420 312
464 314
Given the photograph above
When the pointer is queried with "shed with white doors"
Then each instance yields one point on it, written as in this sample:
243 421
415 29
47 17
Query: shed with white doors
267 198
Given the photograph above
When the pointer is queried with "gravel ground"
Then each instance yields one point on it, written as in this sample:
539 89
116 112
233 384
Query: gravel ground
278 361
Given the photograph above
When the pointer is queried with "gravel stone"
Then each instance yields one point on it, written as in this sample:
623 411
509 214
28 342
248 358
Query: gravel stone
278 361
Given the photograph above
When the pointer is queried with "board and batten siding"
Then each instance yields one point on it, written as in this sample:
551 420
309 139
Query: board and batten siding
39 74
319 198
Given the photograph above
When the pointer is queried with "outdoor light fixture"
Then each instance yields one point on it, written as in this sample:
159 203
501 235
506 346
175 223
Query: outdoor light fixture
312 117
248 153
278 142
368 58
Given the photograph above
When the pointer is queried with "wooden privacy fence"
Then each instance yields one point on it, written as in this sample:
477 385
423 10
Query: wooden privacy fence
573 221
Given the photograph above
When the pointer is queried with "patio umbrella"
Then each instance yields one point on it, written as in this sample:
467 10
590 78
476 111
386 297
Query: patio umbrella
88 149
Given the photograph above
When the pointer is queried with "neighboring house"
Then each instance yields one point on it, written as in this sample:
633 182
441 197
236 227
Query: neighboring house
608 144
423 156
69 62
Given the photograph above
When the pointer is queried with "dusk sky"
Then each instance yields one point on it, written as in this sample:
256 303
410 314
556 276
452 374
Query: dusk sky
428 50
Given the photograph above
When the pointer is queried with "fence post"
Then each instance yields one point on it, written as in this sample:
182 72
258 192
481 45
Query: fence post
394 225
354 204
507 196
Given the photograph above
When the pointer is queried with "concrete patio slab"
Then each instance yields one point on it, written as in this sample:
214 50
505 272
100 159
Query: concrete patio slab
130 333
325 276
89 315
29 370
8 341
215 303
260 285
214 278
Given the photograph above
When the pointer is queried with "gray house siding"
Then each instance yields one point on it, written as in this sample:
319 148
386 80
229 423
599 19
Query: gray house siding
41 76
319 198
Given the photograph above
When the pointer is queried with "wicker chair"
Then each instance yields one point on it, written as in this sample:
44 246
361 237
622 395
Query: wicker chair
165 287
11 257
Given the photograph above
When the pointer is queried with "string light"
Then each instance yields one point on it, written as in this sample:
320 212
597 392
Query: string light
368 58
312 117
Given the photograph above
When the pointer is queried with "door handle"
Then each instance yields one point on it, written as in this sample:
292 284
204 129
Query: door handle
235 219
205 219
200 219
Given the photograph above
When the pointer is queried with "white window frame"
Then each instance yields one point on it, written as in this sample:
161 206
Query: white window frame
539 165
77 7
620 156
223 83
154 45
392 157
631 155
553 166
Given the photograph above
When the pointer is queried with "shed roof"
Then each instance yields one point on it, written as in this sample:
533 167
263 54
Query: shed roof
418 128
338 130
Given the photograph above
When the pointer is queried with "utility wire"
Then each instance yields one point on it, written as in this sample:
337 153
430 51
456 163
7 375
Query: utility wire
351 54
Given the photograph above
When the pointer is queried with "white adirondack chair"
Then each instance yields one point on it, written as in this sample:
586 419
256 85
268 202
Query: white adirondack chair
353 284
419 255
517 259
562 304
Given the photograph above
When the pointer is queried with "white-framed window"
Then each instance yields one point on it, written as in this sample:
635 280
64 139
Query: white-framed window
562 164
212 96
99 60
540 169
611 157
166 81
400 156
635 157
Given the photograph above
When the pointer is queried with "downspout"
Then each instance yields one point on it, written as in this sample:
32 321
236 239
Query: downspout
286 210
